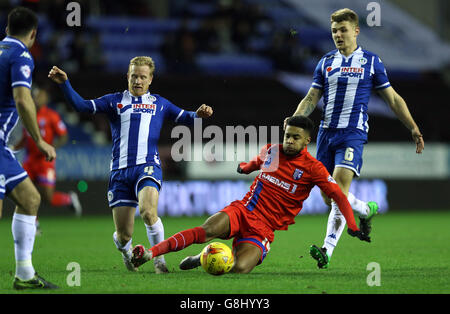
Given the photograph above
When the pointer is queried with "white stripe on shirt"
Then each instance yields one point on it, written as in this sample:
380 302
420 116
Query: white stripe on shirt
179 115
94 106
350 92
21 83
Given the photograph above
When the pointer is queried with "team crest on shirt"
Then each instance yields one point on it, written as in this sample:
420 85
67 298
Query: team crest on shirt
297 174
26 71
362 60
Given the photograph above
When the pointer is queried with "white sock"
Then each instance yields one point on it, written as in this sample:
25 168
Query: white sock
155 234
335 226
125 249
358 206
23 229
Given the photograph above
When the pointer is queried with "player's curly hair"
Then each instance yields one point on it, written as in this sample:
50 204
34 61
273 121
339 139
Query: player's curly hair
301 122
143 60
345 14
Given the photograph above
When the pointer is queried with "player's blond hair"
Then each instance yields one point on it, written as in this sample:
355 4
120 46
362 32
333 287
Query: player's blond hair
143 60
345 14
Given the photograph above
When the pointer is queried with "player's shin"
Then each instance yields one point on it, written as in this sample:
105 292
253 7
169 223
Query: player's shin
180 241
335 227
24 230
155 235
358 206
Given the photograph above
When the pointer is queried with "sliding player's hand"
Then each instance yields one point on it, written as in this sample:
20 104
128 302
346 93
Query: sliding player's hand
204 111
359 234
239 169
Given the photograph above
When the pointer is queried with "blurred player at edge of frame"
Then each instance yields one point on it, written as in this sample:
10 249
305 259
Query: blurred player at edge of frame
41 171
345 77
16 70
136 117
287 175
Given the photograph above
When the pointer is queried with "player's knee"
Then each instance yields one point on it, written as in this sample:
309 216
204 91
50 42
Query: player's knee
33 203
124 236
242 266
210 231
148 214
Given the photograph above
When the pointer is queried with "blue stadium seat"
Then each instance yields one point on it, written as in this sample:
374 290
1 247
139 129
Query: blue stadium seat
112 41
132 25
234 64
118 61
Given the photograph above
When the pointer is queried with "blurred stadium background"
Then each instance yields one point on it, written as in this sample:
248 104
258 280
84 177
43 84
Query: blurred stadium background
252 61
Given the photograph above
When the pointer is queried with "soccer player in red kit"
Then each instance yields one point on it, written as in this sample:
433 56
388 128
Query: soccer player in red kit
41 171
287 175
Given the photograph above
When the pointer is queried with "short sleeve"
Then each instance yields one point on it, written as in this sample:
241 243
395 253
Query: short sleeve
380 77
318 80
22 67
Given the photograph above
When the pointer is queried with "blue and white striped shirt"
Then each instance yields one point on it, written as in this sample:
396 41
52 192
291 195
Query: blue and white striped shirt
135 123
16 69
347 83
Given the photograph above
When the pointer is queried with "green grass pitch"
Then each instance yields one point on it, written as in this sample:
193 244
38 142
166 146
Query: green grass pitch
411 249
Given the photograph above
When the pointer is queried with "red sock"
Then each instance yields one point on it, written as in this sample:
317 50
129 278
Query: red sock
61 199
179 241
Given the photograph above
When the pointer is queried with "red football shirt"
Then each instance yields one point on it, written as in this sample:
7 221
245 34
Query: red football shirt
50 125
284 182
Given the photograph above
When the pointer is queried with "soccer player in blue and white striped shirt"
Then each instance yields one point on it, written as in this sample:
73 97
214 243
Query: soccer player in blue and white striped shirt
345 78
136 117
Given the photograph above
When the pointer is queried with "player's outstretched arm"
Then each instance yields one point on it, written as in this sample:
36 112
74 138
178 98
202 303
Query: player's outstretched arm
256 162
399 107
79 103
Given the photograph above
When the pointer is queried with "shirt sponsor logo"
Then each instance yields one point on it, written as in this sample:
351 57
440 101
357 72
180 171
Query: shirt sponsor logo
138 108
144 108
352 72
286 186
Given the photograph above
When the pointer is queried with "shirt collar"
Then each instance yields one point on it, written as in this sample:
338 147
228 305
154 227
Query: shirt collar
15 40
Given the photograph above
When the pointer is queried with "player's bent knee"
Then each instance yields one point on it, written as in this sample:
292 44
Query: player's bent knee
149 215
32 203
124 236
243 267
